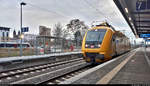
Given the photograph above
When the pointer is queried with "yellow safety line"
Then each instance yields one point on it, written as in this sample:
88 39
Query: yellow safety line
111 74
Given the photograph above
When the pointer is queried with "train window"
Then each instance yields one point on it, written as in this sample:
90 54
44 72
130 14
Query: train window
1 45
27 45
95 35
23 45
15 45
9 45
18 45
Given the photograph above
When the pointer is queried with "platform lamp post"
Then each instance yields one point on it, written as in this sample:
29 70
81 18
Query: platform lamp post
21 36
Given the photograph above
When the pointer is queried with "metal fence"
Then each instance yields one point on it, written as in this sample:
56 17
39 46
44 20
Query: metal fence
44 45
55 45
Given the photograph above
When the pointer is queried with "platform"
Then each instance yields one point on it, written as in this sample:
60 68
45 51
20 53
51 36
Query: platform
9 59
9 63
136 71
130 68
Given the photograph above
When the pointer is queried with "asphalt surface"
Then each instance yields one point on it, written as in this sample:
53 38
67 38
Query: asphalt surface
136 71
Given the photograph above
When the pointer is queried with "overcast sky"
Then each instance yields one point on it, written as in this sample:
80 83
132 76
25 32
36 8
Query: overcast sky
49 12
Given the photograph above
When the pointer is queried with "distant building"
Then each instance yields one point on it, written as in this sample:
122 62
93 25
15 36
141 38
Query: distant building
28 37
44 31
31 38
15 35
44 38
4 34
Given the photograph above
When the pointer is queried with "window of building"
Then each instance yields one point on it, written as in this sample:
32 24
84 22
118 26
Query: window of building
7 34
3 37
3 34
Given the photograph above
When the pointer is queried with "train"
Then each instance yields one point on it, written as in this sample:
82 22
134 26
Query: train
14 45
102 42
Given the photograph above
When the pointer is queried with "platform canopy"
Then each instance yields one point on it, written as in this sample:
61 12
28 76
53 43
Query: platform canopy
137 15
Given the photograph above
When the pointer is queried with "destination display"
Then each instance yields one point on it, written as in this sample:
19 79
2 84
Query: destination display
144 35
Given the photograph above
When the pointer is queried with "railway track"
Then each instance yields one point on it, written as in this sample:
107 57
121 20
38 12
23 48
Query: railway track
17 76
64 77
51 73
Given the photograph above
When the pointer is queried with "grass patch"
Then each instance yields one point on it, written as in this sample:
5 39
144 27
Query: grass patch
10 52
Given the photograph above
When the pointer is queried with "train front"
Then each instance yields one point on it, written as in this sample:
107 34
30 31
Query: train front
92 45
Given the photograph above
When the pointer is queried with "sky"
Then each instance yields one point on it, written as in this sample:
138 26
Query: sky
49 12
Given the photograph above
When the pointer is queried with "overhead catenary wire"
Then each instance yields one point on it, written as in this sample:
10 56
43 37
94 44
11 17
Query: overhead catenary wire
47 10
97 10
100 13
60 14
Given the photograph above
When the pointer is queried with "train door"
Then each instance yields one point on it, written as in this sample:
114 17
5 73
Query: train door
117 43
113 45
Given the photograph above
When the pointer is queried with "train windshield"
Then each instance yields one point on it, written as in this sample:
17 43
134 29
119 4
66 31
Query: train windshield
95 35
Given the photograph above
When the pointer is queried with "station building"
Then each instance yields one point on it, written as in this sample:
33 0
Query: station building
4 34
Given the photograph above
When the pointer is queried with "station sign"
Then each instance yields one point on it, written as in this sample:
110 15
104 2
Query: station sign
147 40
24 29
142 5
144 35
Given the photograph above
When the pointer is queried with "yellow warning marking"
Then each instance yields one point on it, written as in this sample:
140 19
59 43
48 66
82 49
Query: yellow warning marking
111 74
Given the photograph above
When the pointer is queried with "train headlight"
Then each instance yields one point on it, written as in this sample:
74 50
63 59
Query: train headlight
86 45
99 45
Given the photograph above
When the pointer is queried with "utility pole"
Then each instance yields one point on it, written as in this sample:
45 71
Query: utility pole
21 36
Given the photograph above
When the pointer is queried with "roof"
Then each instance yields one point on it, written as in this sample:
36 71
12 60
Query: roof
4 28
13 43
137 15
120 34
49 37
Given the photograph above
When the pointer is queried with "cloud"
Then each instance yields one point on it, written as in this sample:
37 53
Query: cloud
49 12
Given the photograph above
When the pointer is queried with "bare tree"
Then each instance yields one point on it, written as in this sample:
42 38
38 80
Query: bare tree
61 34
76 25
78 28
65 33
58 30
